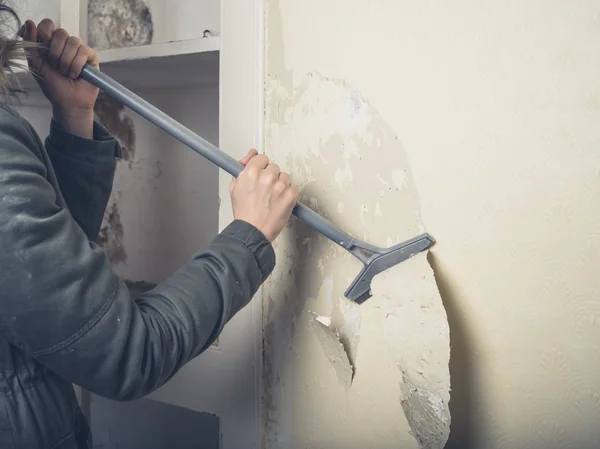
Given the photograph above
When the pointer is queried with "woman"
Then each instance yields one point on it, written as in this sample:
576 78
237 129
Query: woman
65 317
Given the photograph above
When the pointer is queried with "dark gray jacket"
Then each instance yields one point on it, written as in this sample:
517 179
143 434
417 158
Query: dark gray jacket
65 317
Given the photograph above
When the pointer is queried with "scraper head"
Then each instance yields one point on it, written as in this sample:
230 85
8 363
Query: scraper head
377 260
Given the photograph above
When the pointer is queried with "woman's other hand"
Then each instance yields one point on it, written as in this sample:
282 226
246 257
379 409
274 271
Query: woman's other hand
57 63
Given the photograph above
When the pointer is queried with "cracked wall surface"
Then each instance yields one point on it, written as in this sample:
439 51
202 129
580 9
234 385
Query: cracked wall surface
496 106
339 375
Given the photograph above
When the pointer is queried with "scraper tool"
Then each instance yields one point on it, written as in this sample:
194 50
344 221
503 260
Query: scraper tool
375 259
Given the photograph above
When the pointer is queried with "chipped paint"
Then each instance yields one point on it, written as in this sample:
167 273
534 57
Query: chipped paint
319 262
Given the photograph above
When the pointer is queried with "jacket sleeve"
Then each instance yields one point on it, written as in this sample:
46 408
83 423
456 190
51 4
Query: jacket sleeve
62 303
85 172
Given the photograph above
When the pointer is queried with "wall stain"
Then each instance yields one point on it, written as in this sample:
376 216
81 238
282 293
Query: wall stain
111 114
111 235
118 24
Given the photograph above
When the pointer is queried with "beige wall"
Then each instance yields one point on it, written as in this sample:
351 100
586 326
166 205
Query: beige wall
496 106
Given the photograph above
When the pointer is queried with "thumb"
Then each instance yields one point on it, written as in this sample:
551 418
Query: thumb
249 156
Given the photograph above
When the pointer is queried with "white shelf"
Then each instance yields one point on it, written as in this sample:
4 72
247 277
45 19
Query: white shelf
179 48
181 64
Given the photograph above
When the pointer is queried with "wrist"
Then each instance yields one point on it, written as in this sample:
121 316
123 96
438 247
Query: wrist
78 122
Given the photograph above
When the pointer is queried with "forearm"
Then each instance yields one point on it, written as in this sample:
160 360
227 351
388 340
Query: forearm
135 347
79 122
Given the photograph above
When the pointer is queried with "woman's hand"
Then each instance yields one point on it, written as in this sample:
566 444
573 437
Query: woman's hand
263 195
57 64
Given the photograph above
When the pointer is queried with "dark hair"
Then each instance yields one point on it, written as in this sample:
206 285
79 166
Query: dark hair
12 50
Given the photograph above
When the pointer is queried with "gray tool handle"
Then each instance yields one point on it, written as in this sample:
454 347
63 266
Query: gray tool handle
204 148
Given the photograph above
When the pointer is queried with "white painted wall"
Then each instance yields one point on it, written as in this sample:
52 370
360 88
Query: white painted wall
37 111
169 197
37 10
496 105
183 19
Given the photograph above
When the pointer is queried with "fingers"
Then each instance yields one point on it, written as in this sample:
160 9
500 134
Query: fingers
67 58
258 162
270 174
260 169
285 178
244 161
85 55
292 195
29 33
63 52
57 46
45 29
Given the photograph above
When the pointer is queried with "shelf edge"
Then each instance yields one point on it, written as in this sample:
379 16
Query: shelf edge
202 45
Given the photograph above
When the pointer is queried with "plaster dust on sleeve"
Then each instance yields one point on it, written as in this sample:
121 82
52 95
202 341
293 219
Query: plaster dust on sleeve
336 374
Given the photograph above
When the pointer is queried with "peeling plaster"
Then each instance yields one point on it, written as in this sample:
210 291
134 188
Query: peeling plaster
406 296
333 350
320 348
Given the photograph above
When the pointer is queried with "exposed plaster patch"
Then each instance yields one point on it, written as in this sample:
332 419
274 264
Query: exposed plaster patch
342 155
328 129
118 23
426 413
405 295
